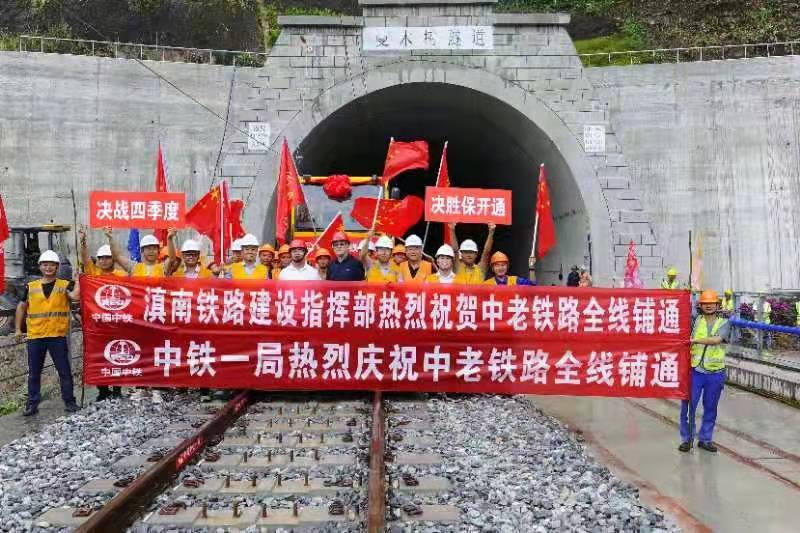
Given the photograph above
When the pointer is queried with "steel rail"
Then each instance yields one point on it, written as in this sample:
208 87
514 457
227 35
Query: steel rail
377 494
119 513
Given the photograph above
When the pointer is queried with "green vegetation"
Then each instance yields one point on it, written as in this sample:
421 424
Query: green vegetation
9 406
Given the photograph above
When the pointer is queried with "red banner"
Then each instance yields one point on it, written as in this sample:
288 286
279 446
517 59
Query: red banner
454 204
328 335
120 209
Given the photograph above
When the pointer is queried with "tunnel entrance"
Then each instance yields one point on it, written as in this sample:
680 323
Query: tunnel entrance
491 145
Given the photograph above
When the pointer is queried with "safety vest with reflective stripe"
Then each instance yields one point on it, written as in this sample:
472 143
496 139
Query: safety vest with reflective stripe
140 270
727 304
469 275
512 280
711 357
422 274
434 278
666 284
375 274
180 272
238 271
48 317
797 312
766 311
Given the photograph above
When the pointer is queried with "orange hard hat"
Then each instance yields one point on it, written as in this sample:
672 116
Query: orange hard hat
266 248
297 243
284 249
322 252
709 296
498 257
399 249
339 236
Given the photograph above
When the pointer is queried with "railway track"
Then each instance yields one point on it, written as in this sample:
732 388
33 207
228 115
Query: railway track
293 461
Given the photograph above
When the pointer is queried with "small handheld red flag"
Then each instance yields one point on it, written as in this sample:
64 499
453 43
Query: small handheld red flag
394 217
326 239
4 234
211 216
290 193
544 217
161 186
632 279
404 156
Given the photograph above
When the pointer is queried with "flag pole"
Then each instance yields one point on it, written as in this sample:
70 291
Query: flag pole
439 173
222 222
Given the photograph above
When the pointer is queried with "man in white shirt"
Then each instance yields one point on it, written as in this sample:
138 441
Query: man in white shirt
298 269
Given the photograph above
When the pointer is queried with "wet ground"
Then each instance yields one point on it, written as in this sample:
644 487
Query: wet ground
751 485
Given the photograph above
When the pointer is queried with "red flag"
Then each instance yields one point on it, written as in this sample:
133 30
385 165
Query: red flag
161 186
404 156
395 217
546 238
211 217
4 234
236 208
290 194
443 180
326 239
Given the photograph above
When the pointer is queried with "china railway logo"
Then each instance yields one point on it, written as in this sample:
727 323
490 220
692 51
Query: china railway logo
113 297
122 352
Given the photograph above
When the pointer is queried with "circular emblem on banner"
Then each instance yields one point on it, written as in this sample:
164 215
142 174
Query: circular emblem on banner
113 297
122 352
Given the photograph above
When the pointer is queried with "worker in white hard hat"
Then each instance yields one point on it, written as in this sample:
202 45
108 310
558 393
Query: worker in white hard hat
469 270
445 262
188 265
382 269
45 306
104 264
249 267
415 269
149 267
370 246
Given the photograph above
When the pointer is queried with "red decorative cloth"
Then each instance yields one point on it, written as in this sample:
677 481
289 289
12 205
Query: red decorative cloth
338 187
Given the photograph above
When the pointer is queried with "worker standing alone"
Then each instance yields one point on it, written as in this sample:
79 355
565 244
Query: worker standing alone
709 333
671 281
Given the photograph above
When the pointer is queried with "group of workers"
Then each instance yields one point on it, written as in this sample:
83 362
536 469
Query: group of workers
45 308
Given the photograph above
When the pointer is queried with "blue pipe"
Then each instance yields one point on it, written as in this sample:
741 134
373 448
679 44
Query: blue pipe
739 323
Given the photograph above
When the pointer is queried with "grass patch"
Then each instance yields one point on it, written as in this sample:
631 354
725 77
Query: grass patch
9 406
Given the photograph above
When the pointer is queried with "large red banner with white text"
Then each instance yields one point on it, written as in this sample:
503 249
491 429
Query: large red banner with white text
326 335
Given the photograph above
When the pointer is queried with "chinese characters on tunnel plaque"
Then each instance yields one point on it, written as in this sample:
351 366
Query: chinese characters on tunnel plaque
119 209
324 335
455 204
377 38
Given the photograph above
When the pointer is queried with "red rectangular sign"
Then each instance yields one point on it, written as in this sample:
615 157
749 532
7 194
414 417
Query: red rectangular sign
453 204
121 209
365 336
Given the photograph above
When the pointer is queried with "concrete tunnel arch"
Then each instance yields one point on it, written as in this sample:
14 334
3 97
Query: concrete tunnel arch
498 134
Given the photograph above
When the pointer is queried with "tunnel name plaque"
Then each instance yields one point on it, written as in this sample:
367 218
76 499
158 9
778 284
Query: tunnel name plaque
383 38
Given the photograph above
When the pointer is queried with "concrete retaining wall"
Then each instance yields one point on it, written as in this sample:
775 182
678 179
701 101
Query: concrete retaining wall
715 148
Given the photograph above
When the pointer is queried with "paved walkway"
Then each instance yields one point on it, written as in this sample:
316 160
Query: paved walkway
752 485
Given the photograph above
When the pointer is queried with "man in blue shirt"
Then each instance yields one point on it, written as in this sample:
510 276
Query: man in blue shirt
345 267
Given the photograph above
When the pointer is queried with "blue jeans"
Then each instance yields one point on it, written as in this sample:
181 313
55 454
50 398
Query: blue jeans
37 352
709 386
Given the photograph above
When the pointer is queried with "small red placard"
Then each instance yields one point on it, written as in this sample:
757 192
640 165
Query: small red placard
122 209
453 204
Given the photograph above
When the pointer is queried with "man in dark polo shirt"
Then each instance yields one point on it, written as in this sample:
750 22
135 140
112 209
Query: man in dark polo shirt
345 267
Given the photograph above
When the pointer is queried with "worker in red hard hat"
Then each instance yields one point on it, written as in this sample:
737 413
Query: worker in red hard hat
298 269
344 267
709 334
499 265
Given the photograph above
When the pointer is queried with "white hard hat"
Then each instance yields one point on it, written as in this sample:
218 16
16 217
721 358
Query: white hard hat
384 242
49 256
447 250
413 240
149 240
248 240
104 251
468 246
236 246
190 245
